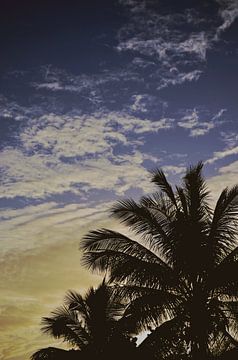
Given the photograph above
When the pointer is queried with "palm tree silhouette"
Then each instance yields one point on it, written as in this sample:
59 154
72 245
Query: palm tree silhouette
181 270
91 324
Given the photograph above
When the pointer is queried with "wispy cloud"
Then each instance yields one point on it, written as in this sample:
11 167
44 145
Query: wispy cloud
230 138
56 154
218 155
160 41
194 121
226 177
158 37
40 261
229 13
173 169
32 228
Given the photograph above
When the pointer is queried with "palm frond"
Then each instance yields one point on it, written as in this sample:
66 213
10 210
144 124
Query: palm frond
166 341
149 222
230 309
128 268
196 193
159 202
50 353
103 301
159 178
130 292
223 230
224 278
76 302
183 200
152 309
105 239
64 324
139 218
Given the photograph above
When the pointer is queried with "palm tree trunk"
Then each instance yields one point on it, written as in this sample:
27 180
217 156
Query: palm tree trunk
199 341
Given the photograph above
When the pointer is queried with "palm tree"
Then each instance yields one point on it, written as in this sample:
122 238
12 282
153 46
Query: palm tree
52 353
91 324
182 267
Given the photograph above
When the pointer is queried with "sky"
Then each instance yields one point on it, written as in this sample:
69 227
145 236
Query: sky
93 95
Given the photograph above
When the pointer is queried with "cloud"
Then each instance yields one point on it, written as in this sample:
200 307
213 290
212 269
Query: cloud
92 90
192 122
59 153
226 177
140 103
39 262
230 138
176 56
170 78
158 39
217 155
32 285
219 114
173 169
35 226
229 13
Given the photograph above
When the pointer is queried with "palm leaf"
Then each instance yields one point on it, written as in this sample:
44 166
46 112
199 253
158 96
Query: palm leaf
50 353
196 193
224 224
150 222
152 309
64 323
159 178
76 302
128 268
166 341
105 239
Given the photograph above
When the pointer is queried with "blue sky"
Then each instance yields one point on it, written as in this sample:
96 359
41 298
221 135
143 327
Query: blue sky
92 96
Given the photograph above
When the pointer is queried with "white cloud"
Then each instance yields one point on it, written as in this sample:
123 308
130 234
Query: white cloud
36 226
219 114
172 78
173 169
178 55
76 154
230 138
217 155
228 13
205 127
191 121
230 169
139 103
197 44
95 90
226 177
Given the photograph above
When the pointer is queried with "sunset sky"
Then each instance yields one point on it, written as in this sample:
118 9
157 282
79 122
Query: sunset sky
93 94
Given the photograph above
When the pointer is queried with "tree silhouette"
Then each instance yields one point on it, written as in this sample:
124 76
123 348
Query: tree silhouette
91 324
182 268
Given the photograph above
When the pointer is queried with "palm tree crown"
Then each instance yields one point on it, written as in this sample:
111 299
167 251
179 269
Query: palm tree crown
91 324
183 268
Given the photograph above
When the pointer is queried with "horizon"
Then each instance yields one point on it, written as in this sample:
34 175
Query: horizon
93 97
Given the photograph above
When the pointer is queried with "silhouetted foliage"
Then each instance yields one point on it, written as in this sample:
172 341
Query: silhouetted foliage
52 353
182 273
91 324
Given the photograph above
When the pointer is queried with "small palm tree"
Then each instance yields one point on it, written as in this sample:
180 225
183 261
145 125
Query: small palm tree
91 324
182 268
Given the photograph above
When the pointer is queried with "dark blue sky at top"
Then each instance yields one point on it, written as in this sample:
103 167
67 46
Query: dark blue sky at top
151 60
81 36
61 33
